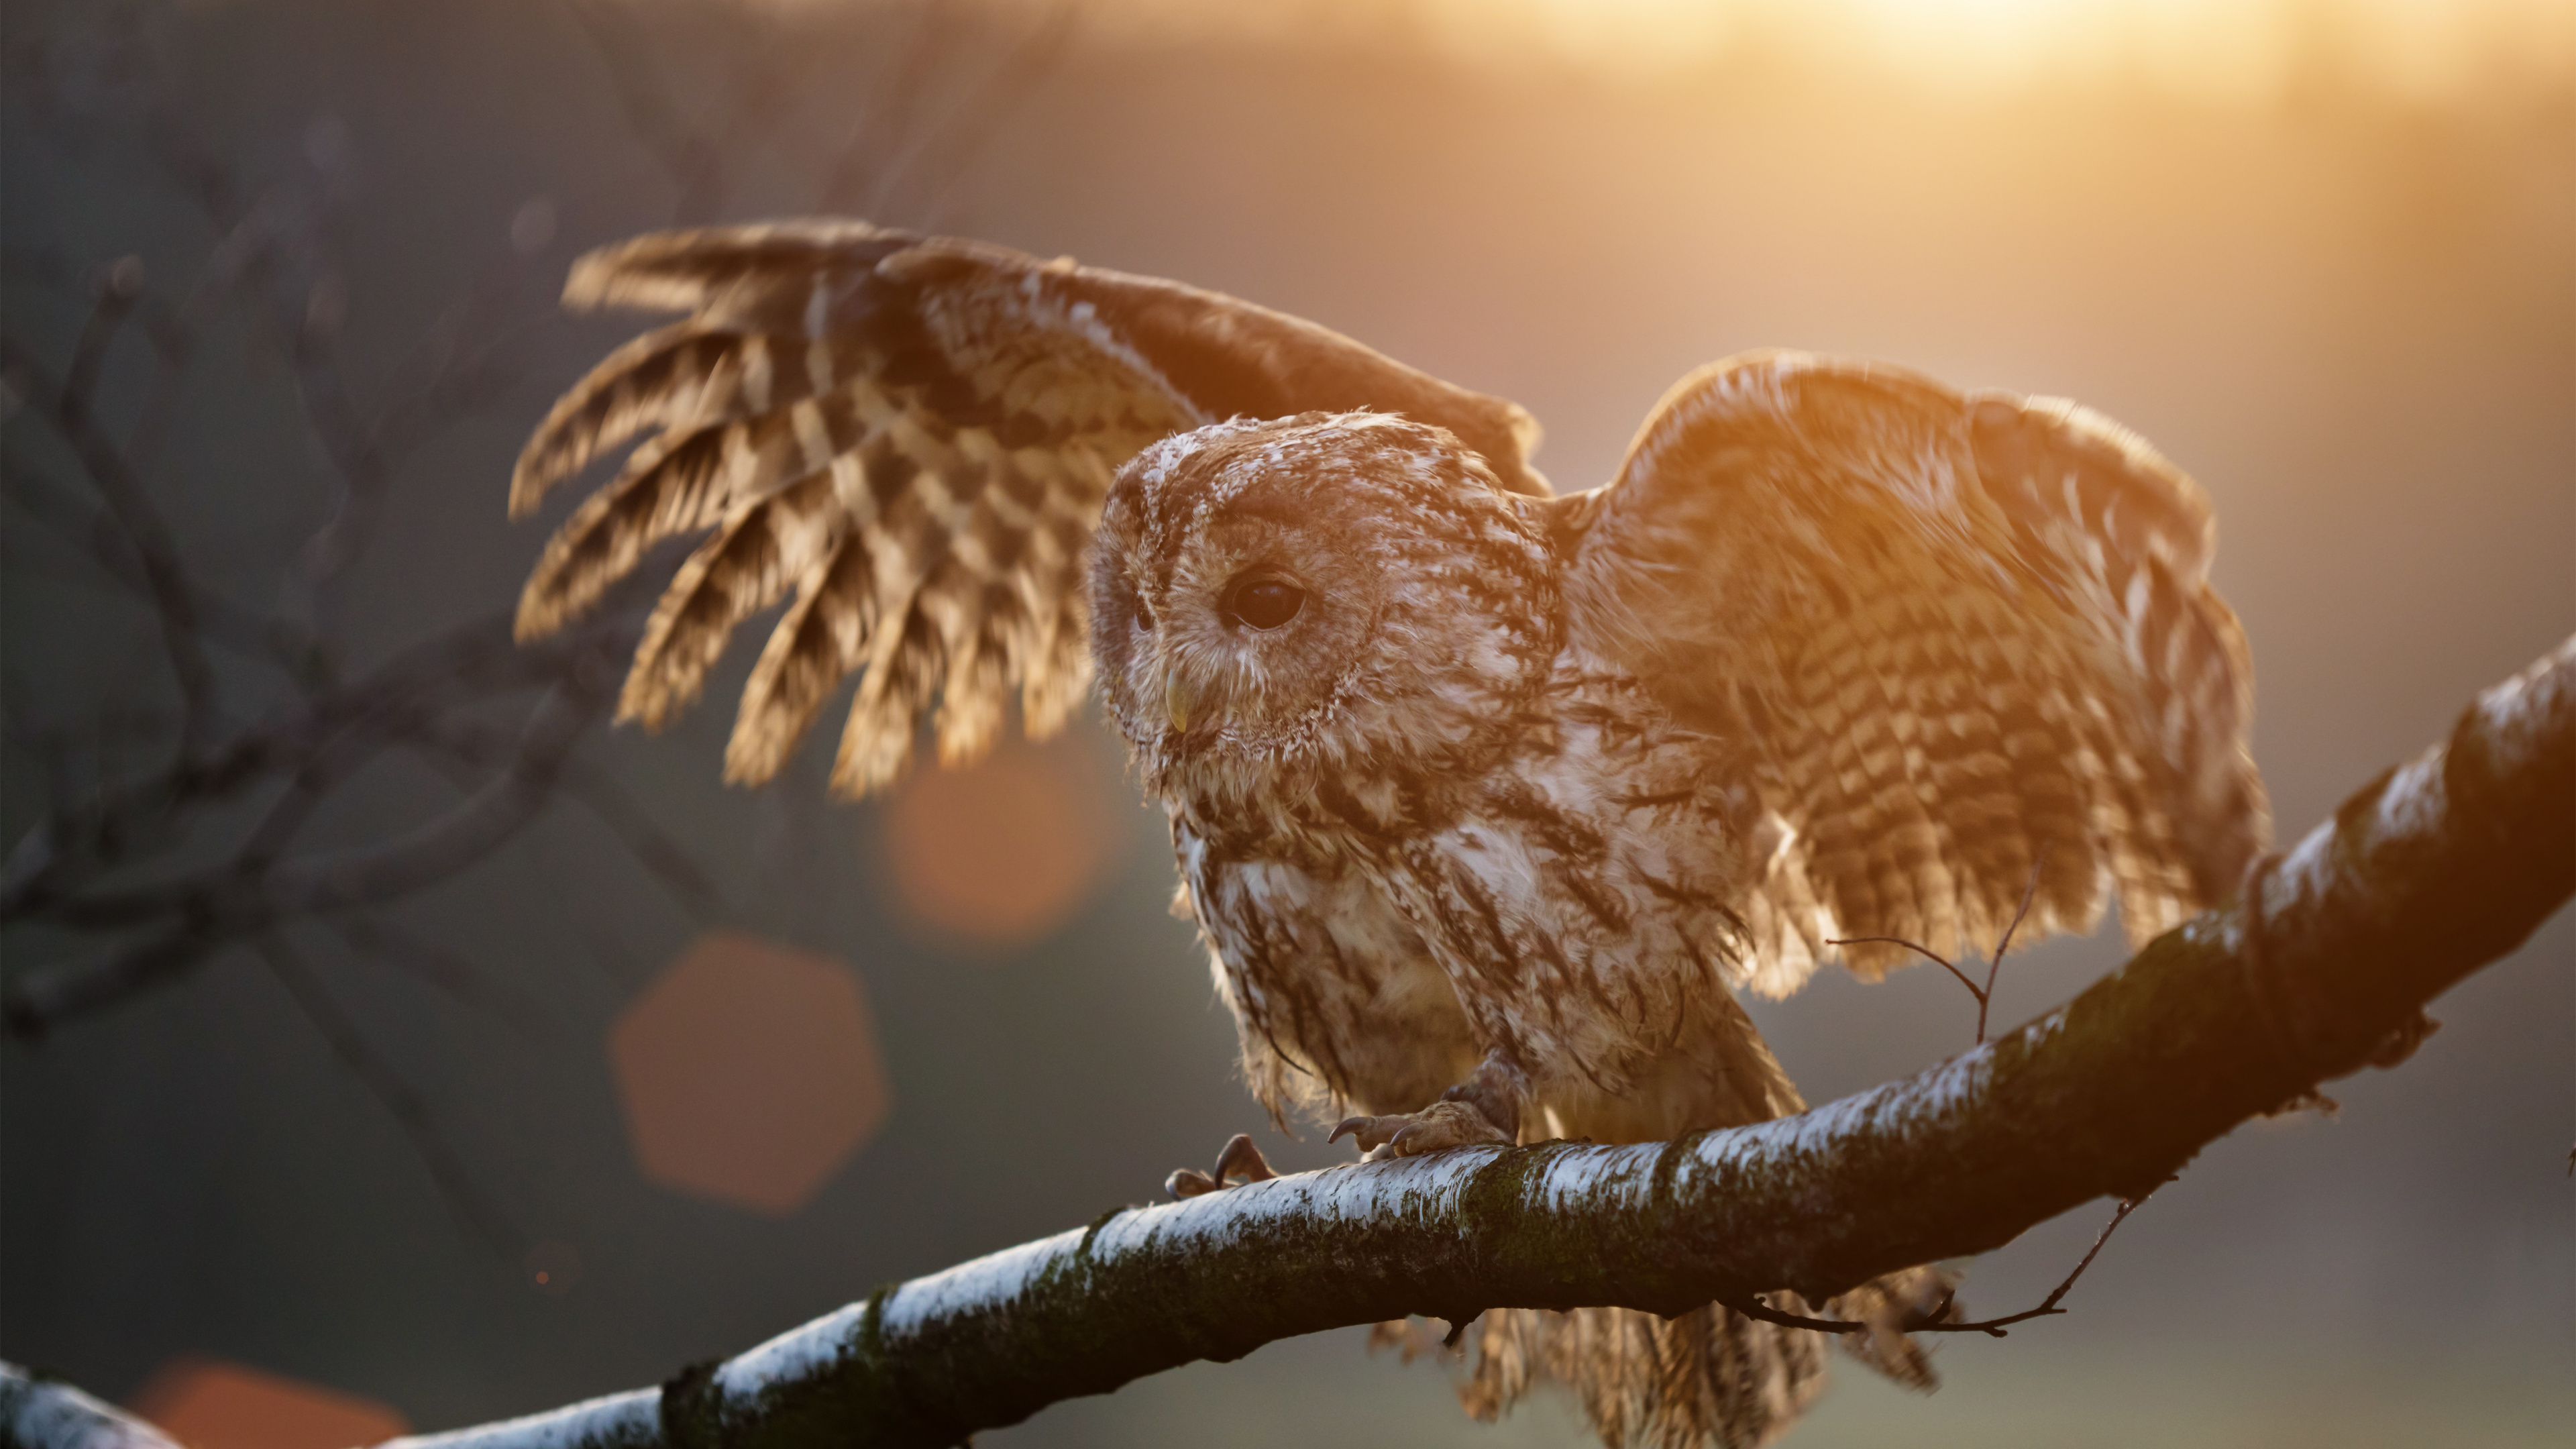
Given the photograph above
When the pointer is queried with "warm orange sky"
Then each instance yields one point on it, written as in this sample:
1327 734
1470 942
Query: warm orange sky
2224 49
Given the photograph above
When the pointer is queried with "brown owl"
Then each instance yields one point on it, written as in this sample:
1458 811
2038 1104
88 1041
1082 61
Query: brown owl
1485 799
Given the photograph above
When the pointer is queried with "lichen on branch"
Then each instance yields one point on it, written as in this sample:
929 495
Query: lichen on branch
2429 872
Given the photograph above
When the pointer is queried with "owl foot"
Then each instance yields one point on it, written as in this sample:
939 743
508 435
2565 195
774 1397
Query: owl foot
1482 1111
1435 1128
1239 1159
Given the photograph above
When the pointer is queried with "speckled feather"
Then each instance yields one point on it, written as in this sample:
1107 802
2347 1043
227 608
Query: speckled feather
1839 652
1959 632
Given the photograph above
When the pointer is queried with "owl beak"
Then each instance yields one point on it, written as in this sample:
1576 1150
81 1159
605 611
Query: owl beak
1178 697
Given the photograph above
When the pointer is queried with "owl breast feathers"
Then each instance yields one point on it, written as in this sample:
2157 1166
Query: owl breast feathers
1457 769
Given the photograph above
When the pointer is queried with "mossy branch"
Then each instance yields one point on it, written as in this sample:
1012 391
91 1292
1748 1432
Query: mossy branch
2429 872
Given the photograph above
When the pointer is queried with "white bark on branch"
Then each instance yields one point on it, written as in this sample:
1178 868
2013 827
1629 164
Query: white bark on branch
2426 874
2433 870
44 1413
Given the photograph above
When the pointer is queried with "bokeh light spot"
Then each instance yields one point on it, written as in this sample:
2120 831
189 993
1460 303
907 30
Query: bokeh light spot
1003 852
553 1267
750 1072
207 1403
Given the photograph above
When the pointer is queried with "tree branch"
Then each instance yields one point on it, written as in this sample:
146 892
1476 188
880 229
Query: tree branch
2434 869
270 638
452 975
41 877
473 1211
248 896
48 1414
66 412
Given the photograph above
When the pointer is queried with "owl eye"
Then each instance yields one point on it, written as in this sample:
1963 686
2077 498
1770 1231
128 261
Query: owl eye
1263 602
1126 609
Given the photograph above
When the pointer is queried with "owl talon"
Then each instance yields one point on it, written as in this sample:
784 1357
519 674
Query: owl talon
1367 1132
1239 1158
1435 1128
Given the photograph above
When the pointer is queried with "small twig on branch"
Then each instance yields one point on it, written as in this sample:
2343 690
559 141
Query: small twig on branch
242 630
978 118
114 288
884 116
473 1212
42 877
243 898
172 333
603 797
1938 1321
373 937
692 158
1985 994
172 595
657 850
365 450
683 156
2057 1294
374 874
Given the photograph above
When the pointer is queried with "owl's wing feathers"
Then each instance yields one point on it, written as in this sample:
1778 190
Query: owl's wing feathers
912 436
1960 631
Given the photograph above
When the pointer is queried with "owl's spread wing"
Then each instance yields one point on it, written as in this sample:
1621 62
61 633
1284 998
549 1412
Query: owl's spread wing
1959 631
912 436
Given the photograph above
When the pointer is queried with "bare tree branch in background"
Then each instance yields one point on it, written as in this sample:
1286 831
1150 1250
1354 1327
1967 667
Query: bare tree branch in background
929 102
897 148
65 406
177 834
201 849
762 72
474 1212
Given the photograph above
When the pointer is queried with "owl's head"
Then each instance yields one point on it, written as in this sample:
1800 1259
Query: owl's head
1336 587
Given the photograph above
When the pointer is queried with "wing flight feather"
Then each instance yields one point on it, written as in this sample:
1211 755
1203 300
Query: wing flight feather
908 440
1970 637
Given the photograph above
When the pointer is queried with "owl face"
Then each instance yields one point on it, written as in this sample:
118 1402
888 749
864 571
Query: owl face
1318 586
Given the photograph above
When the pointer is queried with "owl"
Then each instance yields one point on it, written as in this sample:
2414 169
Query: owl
1487 800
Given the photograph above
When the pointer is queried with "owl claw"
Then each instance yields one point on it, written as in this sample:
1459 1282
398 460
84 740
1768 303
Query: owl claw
1368 1132
1238 1159
1435 1128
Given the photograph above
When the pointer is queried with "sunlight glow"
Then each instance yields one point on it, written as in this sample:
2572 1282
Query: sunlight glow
2220 49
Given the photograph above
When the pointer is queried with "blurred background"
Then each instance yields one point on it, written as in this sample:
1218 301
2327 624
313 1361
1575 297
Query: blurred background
608 1069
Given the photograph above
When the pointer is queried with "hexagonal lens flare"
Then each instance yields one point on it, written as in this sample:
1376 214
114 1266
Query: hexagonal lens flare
1002 853
750 1072
207 1403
